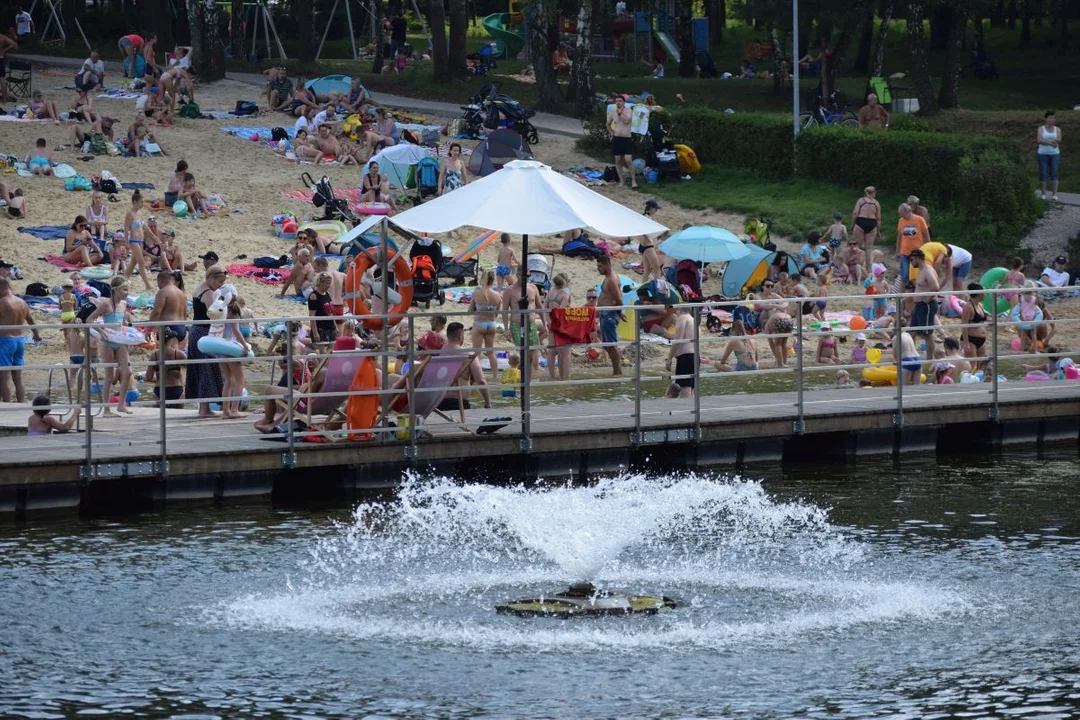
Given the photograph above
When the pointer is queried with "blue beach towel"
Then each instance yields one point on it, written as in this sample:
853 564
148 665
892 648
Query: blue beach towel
46 232
247 132
292 297
137 186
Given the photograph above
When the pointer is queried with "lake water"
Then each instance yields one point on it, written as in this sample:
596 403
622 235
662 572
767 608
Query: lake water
917 590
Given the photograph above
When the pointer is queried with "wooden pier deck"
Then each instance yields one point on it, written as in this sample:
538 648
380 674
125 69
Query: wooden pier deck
217 459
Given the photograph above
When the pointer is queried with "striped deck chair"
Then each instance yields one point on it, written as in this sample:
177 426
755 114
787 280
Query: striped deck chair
434 379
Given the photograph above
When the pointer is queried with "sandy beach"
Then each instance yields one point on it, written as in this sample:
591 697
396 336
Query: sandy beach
251 179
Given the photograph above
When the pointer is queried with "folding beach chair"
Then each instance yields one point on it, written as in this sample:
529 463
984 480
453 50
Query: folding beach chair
338 370
434 379
20 79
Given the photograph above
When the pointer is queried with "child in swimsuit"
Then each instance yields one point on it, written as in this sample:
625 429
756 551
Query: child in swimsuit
195 200
821 291
17 205
174 374
505 262
837 232
858 353
41 158
42 423
118 251
826 350
1014 279
134 224
98 216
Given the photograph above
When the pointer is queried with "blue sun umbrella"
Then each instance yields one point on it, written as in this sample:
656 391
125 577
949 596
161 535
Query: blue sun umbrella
705 245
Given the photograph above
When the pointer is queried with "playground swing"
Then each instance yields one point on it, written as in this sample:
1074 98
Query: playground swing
374 19
253 12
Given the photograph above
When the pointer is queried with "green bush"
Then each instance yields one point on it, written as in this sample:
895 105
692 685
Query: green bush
759 143
906 122
995 197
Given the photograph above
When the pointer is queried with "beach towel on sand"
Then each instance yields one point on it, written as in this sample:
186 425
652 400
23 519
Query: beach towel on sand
247 132
137 185
267 276
46 232
61 263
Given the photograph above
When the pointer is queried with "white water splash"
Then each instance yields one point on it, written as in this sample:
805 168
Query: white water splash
428 567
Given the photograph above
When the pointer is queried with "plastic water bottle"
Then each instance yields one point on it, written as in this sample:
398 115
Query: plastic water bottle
86 148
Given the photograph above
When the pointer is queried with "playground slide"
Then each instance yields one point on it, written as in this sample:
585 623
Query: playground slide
669 46
495 24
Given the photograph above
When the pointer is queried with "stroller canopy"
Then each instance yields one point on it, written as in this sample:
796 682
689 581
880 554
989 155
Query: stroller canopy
395 161
747 272
499 148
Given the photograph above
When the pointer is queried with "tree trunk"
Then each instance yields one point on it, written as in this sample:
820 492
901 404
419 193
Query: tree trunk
437 22
380 38
940 16
67 15
997 14
549 97
1063 20
980 31
183 25
305 32
208 55
883 35
831 64
1010 15
920 67
713 13
1025 27
236 29
866 40
459 27
687 59
954 56
582 81
778 57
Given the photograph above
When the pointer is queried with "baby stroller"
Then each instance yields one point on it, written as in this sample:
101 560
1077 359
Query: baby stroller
426 257
539 269
322 196
688 280
661 154
460 273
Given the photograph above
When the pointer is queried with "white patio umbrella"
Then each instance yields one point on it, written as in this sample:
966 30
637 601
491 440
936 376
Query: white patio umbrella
527 198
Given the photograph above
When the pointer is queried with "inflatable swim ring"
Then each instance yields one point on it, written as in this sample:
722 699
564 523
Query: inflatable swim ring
1014 315
354 278
125 335
373 208
220 347
97 272
991 279
332 228
1037 376
883 375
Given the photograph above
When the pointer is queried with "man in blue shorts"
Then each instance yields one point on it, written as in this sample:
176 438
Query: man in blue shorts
610 297
14 313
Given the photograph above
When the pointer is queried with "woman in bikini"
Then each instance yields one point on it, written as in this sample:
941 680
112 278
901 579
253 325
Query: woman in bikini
134 225
866 222
779 323
558 297
98 216
744 349
384 133
369 185
973 318
650 260
79 246
114 311
82 109
485 304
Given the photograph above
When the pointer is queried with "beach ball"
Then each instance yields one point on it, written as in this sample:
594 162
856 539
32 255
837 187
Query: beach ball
179 208
873 355
857 322
255 138
1072 373
289 226
592 353
132 396
1015 344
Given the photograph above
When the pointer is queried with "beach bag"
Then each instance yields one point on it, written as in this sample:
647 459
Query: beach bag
189 110
98 144
36 289
104 288
245 107
267 261
582 248
78 183
610 175
668 165
427 174
278 134
430 137
688 161
108 186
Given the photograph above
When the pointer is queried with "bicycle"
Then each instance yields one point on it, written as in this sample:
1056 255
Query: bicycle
842 118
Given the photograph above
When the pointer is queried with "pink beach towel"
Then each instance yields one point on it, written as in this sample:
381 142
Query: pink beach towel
61 263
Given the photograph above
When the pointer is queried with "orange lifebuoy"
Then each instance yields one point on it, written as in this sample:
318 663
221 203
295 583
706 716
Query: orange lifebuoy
354 279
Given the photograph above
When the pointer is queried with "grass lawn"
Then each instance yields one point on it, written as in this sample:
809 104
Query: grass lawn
797 207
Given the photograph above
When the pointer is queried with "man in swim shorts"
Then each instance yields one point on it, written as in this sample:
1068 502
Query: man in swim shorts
611 297
927 286
911 363
682 350
170 305
13 312
512 301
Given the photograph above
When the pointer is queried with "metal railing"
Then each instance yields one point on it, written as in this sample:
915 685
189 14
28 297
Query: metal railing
102 446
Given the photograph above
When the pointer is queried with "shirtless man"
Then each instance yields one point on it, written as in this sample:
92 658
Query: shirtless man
327 144
927 286
302 275
337 280
15 312
170 305
511 299
455 336
682 350
610 296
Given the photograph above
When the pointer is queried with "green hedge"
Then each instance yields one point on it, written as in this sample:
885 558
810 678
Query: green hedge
745 141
